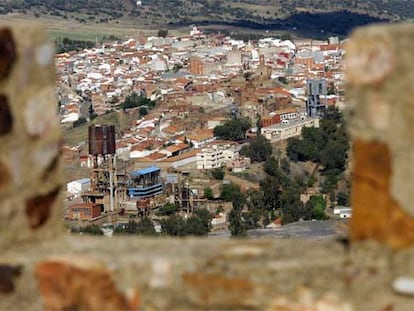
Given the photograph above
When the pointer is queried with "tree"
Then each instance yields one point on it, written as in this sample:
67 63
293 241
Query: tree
163 33
174 225
167 210
271 167
92 229
285 165
329 183
283 80
236 224
234 129
134 100
143 111
229 191
327 145
204 217
79 122
92 114
217 173
177 68
194 226
294 211
199 224
342 199
131 227
258 150
334 114
145 227
271 189
318 205
292 208
208 193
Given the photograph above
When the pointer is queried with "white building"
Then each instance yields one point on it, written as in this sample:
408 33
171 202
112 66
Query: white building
216 155
288 129
343 212
76 187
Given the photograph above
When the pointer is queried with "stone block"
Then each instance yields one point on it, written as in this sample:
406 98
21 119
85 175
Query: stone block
380 75
217 291
80 284
30 164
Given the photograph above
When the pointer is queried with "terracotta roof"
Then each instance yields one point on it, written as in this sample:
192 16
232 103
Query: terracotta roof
185 155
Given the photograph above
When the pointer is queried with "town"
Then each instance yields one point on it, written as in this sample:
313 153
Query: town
204 134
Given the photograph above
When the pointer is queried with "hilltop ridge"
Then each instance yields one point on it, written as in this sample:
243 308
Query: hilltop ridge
303 17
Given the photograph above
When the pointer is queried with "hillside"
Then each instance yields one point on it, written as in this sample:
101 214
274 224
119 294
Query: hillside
301 16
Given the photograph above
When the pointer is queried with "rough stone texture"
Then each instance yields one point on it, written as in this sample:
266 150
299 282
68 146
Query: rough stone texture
30 165
6 121
7 275
206 274
380 75
7 53
376 213
79 284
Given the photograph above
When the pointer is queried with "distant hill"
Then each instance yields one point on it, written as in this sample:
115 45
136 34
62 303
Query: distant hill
330 16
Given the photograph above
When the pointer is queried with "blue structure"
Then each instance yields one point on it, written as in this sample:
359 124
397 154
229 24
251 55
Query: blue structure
145 183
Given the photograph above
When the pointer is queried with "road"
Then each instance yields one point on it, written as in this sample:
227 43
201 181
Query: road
311 230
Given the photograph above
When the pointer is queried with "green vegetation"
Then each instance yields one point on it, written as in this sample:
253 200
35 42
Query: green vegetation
80 121
208 193
229 192
258 150
327 145
199 224
234 129
65 44
162 33
307 18
342 198
277 197
134 100
143 226
317 204
217 173
167 210
91 229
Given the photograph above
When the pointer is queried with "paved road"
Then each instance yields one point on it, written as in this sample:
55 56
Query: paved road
316 230
313 230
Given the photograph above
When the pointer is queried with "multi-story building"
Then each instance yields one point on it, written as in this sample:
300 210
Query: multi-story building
315 104
288 129
84 211
145 183
216 155
196 66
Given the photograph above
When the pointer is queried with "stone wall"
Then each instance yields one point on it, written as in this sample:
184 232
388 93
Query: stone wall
30 164
43 268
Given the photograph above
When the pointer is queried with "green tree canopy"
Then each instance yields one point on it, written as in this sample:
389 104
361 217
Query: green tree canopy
228 191
342 199
258 150
134 100
198 224
91 229
317 204
234 129
327 145
167 209
236 224
208 193
174 225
